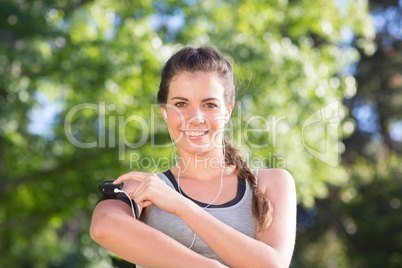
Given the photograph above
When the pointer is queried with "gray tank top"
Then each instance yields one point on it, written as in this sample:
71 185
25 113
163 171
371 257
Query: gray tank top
236 213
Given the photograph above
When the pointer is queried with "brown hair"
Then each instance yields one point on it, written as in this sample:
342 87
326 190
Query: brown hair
207 59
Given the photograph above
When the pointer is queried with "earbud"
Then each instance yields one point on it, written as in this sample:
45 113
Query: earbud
227 118
118 191
165 114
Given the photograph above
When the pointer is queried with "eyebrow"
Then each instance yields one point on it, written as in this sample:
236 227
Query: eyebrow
185 99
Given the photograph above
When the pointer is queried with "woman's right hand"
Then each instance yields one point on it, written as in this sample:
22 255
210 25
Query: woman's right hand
150 189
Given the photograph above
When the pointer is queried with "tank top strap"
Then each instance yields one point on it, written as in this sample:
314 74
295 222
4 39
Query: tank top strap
166 180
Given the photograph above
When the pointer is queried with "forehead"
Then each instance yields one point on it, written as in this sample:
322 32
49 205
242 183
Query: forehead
196 85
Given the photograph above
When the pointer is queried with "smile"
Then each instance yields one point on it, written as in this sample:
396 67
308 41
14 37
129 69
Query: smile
195 133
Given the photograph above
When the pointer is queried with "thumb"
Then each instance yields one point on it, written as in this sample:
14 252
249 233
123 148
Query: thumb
142 203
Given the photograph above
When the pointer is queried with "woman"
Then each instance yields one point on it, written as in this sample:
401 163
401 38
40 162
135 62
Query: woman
210 209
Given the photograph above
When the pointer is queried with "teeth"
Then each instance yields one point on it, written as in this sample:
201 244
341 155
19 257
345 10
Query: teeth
195 133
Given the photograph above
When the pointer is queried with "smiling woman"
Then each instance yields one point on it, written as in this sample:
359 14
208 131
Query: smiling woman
209 209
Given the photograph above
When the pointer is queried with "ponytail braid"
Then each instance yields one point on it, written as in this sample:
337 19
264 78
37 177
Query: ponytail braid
261 205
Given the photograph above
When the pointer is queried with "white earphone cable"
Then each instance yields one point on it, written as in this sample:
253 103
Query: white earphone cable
178 176
131 201
220 188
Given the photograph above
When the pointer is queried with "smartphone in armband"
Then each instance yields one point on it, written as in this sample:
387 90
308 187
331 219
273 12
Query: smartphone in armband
108 188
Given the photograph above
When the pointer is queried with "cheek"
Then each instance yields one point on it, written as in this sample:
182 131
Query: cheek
175 120
217 118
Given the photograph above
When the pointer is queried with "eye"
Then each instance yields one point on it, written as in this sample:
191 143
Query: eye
211 105
180 104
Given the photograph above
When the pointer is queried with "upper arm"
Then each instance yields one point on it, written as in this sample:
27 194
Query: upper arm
279 186
114 228
112 207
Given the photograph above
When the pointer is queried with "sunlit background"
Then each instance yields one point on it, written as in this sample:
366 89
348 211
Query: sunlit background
319 94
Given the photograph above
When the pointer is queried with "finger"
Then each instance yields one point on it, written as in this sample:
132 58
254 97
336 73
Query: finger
143 203
138 176
140 187
142 191
141 199
147 203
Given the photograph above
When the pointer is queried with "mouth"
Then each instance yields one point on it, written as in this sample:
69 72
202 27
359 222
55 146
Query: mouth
195 133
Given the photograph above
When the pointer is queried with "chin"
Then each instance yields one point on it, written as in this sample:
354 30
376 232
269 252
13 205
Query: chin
197 148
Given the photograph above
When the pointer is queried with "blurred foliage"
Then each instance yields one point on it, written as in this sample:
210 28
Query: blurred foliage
365 212
88 71
373 214
357 225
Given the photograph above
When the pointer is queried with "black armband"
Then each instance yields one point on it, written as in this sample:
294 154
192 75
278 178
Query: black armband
119 196
111 191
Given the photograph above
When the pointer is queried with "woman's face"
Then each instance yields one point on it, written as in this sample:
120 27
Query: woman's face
196 111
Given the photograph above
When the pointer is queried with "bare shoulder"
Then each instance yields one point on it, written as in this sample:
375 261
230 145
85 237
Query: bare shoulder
275 180
279 186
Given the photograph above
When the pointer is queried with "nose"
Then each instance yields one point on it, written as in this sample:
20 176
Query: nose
197 117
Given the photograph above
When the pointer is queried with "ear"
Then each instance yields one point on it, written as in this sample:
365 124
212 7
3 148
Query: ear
163 111
228 113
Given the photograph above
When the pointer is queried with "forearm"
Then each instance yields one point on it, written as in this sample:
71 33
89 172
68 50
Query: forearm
233 247
138 243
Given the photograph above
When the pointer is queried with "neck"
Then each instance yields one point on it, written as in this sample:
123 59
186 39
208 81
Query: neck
201 166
